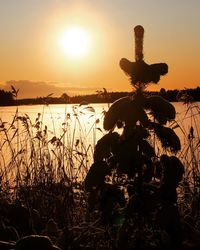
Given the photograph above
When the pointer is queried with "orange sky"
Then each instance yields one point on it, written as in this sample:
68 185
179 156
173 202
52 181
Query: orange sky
32 60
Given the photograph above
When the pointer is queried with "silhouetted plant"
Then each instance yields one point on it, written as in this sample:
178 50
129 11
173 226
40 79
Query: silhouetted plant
130 183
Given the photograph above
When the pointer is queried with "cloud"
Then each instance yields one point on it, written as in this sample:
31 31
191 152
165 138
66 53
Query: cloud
33 89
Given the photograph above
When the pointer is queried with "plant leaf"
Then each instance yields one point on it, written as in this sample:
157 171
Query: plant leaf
126 110
168 138
105 146
96 175
161 109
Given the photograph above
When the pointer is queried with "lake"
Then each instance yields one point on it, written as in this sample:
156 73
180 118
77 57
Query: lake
77 127
54 116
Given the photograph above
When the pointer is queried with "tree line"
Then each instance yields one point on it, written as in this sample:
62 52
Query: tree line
7 98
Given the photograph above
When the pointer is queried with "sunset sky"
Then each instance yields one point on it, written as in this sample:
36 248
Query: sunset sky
34 59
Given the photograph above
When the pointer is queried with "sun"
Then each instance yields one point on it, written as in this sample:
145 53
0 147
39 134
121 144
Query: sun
75 42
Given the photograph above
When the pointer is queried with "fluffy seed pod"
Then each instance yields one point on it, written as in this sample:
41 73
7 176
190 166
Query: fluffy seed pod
139 34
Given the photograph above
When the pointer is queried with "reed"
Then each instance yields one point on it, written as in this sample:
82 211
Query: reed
43 167
31 154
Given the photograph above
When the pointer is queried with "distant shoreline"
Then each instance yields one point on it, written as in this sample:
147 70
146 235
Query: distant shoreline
188 95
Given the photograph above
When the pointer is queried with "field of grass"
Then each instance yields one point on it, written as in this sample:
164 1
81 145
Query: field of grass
42 180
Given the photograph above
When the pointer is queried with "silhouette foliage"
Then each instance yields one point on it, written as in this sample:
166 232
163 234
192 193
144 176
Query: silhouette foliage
128 163
6 98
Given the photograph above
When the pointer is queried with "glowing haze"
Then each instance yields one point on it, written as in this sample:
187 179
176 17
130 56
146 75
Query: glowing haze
75 42
75 46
